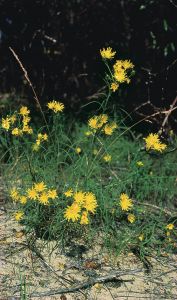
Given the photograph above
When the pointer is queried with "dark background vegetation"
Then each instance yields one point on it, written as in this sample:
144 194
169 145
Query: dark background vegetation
59 41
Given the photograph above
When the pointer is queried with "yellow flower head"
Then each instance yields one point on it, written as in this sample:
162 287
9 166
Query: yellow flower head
32 194
170 226
131 218
68 193
97 122
79 197
78 150
19 215
95 151
52 194
90 202
6 123
45 137
35 147
14 194
56 106
114 86
139 163
16 131
24 111
42 137
125 202
103 119
153 142
120 76
141 237
108 129
44 198
13 118
27 129
84 218
88 133
26 120
23 199
40 186
127 64
72 212
92 122
107 53
107 157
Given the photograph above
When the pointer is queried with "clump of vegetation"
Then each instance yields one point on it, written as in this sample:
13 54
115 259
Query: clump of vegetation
94 179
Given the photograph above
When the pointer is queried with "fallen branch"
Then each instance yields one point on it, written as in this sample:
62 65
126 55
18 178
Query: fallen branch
167 115
167 212
88 283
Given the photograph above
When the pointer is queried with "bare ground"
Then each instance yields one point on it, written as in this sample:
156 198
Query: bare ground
48 276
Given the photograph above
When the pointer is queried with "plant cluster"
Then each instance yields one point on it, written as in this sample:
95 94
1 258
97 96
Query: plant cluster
91 179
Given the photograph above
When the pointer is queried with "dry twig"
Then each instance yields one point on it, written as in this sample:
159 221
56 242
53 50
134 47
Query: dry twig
88 283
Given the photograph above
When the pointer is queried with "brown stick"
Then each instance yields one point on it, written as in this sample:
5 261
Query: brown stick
29 82
167 115
88 283
167 212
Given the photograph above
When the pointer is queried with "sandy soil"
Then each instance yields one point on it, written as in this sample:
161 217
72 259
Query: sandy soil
22 268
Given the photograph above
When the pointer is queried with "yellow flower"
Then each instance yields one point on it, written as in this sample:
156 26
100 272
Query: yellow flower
170 226
90 202
125 202
18 215
23 199
93 122
26 120
139 163
27 129
6 123
43 198
107 157
131 218
168 233
120 76
103 119
32 194
45 137
39 187
78 150
95 151
24 111
52 194
56 106
107 53
35 147
127 64
79 197
114 86
38 142
13 118
153 142
141 237
42 137
68 193
108 130
97 122
14 194
84 218
118 66
88 133
16 131
171 133
98 286
72 212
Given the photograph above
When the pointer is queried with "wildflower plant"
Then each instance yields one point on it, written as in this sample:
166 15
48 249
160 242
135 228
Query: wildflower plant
89 179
